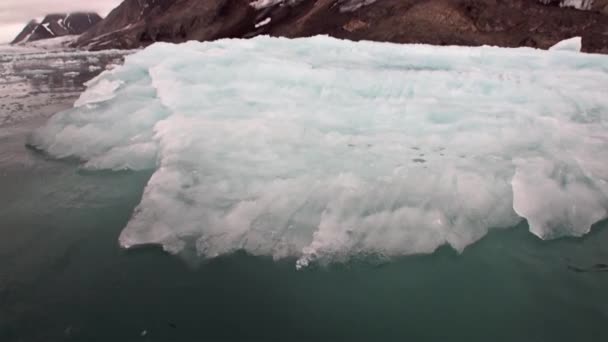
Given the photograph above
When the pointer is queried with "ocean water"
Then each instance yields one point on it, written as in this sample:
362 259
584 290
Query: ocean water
64 276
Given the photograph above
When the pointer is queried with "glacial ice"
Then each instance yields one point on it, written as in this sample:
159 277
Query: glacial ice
573 44
320 149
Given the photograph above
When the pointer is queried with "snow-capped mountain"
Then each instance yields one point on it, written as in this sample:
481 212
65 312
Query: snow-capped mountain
57 25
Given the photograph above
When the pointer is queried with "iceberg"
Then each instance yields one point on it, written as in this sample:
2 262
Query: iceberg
319 149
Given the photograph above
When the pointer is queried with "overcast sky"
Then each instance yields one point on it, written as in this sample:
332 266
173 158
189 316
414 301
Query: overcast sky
14 14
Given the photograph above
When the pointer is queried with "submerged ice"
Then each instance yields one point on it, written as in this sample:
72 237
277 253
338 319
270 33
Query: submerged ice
320 149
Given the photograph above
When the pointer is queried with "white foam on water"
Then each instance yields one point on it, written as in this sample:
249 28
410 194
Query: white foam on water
320 149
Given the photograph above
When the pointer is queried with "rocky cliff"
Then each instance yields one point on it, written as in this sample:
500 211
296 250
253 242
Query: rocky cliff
57 25
535 23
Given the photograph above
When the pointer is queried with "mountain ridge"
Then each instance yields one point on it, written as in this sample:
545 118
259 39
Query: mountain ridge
57 25
533 23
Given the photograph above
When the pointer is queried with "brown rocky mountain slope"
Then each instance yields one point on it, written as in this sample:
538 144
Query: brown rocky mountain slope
137 23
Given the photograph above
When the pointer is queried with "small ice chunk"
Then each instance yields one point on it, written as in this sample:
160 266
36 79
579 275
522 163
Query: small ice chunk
557 200
100 91
573 44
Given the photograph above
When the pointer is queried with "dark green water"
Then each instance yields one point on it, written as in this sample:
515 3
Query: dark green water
64 278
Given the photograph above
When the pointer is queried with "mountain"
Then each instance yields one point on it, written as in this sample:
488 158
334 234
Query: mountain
57 25
137 23
26 33
535 23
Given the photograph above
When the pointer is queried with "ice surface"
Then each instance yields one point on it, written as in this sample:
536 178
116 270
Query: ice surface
52 43
99 90
319 148
573 44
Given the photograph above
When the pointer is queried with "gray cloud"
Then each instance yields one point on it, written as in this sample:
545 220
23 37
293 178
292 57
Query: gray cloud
14 14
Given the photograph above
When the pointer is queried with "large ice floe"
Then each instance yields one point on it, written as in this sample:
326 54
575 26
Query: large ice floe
321 149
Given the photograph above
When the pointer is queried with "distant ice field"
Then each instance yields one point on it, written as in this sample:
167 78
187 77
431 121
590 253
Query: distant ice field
320 149
40 75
